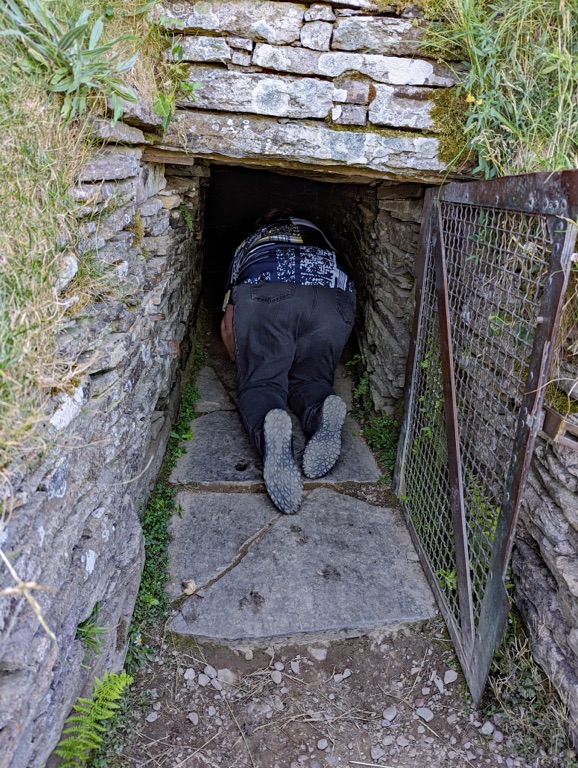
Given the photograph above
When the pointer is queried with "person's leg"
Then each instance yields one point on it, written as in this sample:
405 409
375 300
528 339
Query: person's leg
263 329
265 347
311 395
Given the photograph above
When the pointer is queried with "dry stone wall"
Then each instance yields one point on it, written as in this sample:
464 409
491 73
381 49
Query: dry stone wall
337 85
75 523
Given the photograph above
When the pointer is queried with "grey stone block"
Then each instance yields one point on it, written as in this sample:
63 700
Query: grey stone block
307 575
277 23
269 142
349 114
377 34
394 70
401 107
116 133
205 49
319 12
111 163
213 396
261 94
210 532
316 35
220 453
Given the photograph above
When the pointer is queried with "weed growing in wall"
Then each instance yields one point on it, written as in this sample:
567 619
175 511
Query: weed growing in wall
380 430
91 634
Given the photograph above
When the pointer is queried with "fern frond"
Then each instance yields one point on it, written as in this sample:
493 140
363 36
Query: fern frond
85 725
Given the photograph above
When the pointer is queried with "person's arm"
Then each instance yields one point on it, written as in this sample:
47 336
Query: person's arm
227 331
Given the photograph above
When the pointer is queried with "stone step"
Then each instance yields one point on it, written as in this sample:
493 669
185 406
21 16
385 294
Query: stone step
339 568
220 453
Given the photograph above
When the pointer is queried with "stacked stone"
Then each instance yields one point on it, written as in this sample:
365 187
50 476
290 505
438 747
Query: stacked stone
545 564
75 529
329 83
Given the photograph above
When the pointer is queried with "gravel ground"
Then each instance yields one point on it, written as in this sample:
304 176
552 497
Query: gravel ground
395 701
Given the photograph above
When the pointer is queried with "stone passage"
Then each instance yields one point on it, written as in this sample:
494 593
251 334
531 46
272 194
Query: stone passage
341 567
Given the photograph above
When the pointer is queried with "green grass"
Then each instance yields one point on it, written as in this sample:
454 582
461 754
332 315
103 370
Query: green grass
520 88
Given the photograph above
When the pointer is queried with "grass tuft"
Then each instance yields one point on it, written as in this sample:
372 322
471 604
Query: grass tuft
521 80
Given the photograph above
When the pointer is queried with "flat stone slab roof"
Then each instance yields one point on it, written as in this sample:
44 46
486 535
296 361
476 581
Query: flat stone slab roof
340 567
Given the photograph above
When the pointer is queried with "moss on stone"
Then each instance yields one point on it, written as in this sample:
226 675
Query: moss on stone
137 228
449 116
559 401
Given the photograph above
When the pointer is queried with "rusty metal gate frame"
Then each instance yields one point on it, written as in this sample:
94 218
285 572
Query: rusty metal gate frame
503 245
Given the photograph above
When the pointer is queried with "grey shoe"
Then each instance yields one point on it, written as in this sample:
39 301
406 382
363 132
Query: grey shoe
323 449
282 478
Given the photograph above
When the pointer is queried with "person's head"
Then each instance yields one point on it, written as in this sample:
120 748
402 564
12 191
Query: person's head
273 214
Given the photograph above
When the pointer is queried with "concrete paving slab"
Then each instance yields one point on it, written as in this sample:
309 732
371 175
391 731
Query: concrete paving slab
220 452
211 533
212 392
340 567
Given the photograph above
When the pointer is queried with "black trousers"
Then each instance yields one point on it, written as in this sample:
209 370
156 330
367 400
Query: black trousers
288 341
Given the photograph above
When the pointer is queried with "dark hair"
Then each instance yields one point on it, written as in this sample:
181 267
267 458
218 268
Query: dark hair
272 214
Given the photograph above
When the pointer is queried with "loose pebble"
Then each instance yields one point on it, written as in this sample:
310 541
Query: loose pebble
390 713
498 737
218 686
279 666
190 674
157 706
210 671
425 714
248 654
377 752
212 711
401 741
487 728
226 676
322 744
193 717
450 677
276 677
319 654
295 667
152 716
204 680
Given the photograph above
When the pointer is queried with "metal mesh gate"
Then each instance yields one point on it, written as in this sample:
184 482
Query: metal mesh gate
492 270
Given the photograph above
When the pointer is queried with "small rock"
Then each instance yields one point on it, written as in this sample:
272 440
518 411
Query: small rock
212 711
204 680
498 737
346 673
452 719
276 677
425 714
190 674
426 691
420 729
450 677
279 666
487 728
419 703
193 717
401 741
295 667
337 678
390 713
248 654
189 586
156 706
216 684
226 676
387 741
210 671
377 752
319 654
152 717
322 744
439 685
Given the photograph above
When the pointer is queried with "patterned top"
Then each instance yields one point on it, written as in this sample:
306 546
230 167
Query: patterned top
289 250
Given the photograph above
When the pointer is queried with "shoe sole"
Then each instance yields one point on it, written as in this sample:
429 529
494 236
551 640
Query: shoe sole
323 449
282 478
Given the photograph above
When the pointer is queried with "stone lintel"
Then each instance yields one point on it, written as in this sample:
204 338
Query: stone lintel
274 22
393 70
261 94
271 141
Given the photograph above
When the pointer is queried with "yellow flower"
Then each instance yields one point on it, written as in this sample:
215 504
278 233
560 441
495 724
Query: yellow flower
478 102
470 99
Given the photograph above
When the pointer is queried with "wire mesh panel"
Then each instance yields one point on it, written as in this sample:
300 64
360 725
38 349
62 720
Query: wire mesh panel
493 266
